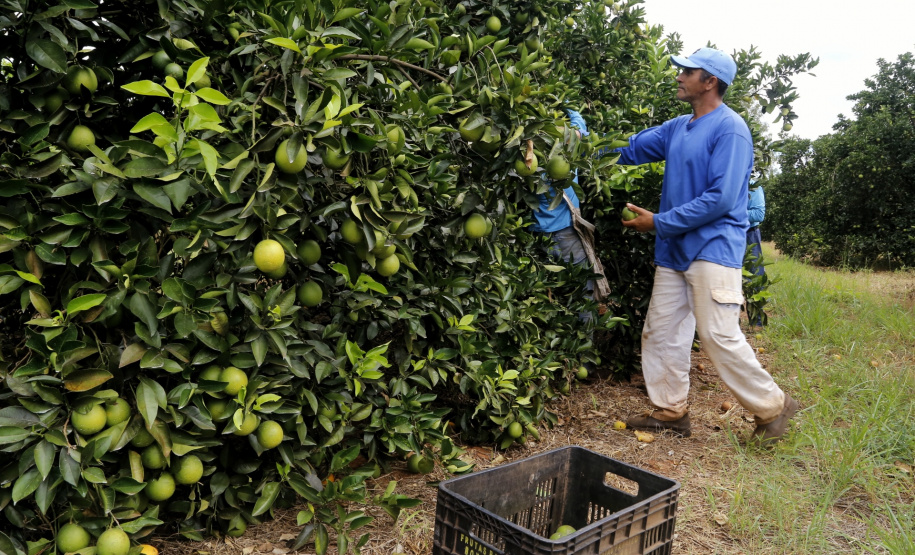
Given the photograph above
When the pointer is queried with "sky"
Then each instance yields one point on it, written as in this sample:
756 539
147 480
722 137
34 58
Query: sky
847 37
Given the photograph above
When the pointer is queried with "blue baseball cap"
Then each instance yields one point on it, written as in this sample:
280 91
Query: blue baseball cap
713 61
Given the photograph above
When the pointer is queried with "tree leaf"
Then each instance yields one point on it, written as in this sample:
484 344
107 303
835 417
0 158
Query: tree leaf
69 468
85 302
197 70
268 497
44 458
94 475
210 157
47 54
178 192
26 485
286 43
11 434
154 195
213 96
346 13
144 167
140 305
339 32
132 353
150 397
321 539
339 73
155 119
146 88
34 134
84 380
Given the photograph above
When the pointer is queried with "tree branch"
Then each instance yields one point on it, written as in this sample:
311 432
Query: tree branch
376 58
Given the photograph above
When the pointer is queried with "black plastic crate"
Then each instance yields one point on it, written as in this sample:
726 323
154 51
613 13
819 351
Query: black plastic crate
616 508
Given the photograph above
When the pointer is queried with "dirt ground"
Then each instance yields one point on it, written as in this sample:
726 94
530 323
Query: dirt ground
586 419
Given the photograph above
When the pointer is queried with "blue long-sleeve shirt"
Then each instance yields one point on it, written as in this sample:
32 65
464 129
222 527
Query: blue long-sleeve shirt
756 206
703 211
548 221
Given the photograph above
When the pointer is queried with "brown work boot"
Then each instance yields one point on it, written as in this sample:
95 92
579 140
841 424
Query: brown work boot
773 431
646 422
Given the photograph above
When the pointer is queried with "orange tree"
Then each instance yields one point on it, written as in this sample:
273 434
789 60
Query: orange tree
249 234
164 168
841 200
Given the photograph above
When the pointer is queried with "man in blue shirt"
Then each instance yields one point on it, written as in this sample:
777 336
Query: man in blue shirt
756 213
699 249
557 223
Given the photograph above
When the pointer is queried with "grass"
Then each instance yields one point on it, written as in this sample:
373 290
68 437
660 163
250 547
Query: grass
843 344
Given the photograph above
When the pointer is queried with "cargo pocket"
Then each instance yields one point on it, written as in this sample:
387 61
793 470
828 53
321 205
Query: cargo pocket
727 297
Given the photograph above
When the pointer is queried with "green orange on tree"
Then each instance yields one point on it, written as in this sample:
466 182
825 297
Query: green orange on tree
308 251
142 439
558 167
203 81
219 409
248 425
72 537
212 373
471 134
475 226
388 266
80 138
383 250
160 59
269 434
351 232
235 379
152 457
188 470
522 169
89 422
269 256
55 99
161 488
335 159
279 272
310 293
493 24
328 410
287 165
116 411
113 541
173 70
220 322
78 78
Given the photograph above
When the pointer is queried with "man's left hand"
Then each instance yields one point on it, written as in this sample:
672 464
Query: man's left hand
643 222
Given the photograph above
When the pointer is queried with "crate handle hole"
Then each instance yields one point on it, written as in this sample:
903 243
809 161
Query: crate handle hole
623 484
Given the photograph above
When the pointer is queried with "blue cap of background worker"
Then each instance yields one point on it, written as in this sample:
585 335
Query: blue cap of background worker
713 61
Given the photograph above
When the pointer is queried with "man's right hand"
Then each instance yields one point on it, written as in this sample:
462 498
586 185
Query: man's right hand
644 220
